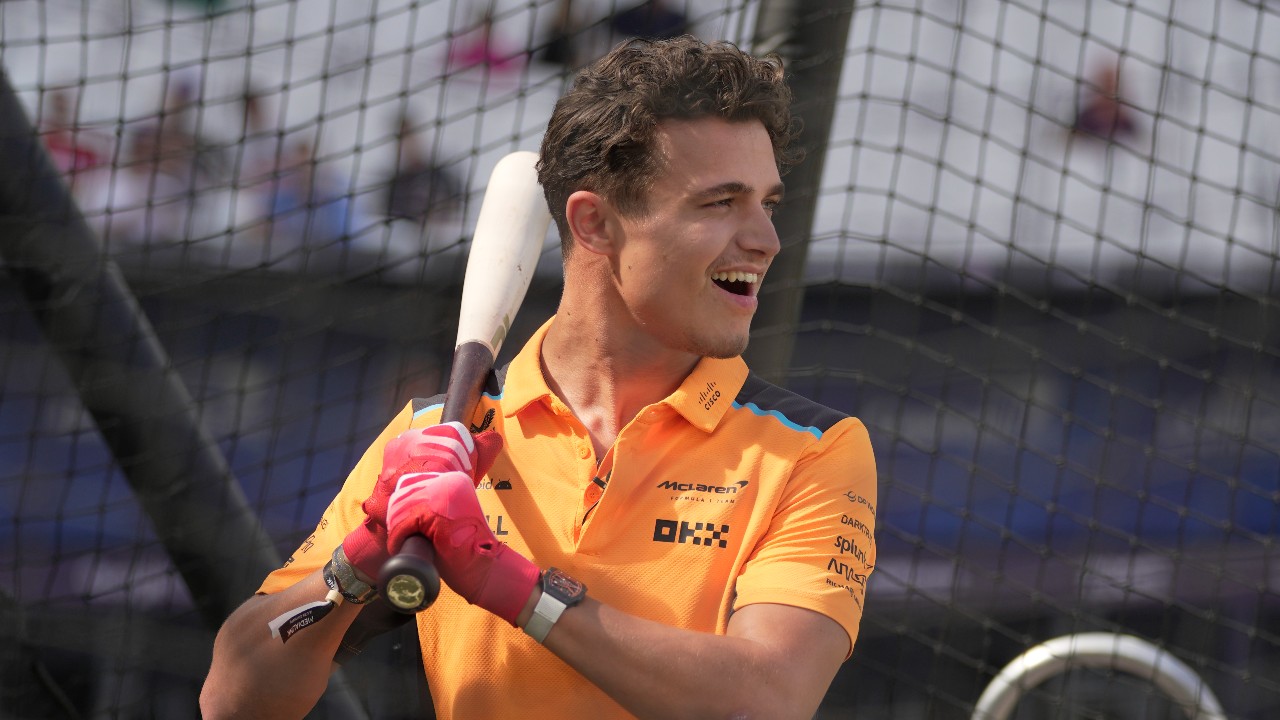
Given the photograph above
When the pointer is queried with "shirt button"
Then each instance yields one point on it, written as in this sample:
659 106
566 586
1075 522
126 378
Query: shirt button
593 494
584 451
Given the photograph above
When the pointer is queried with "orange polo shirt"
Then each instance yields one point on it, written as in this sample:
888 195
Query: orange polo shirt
730 491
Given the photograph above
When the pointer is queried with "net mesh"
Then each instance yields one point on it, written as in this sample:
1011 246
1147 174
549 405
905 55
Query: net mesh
1042 270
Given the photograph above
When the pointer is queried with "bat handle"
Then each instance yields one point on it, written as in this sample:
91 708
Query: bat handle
409 580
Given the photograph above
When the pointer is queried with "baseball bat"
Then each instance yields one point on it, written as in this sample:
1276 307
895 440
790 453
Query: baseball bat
508 239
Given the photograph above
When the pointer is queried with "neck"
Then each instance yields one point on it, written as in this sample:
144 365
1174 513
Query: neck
605 368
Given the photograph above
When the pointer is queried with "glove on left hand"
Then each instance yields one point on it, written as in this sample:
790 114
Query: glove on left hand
437 449
443 507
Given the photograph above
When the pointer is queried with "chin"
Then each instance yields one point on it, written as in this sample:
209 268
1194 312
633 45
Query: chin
722 347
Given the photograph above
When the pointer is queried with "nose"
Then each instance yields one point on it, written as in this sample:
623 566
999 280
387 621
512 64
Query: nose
759 236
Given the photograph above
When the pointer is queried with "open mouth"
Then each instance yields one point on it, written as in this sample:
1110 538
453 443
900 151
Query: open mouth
738 283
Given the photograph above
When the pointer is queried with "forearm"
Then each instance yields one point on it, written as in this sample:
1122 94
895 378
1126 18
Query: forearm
256 675
657 671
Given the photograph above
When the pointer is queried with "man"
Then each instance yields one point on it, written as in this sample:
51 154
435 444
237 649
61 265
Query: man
722 527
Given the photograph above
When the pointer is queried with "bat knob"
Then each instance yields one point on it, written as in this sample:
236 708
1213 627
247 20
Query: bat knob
409 581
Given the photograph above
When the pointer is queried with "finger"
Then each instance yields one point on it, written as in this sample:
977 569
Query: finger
488 446
450 444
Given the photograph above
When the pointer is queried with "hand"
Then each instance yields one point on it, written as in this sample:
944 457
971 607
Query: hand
439 448
443 507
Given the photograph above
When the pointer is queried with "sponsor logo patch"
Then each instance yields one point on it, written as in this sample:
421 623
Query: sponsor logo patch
497 527
704 488
844 570
703 492
485 422
860 500
856 524
697 533
846 546
708 397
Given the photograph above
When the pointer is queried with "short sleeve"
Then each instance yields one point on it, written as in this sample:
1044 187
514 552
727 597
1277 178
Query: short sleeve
820 546
343 514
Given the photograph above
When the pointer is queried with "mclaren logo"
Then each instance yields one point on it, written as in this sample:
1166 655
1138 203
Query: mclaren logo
699 487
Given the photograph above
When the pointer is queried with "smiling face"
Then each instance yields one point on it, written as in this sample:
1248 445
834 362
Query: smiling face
689 266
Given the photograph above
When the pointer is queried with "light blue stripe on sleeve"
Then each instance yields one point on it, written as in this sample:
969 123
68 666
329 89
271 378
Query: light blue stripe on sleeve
429 408
781 418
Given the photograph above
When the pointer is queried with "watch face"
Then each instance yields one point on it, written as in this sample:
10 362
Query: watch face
562 587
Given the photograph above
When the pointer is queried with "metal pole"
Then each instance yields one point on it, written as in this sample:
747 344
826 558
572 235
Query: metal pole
125 379
127 383
810 36
1101 650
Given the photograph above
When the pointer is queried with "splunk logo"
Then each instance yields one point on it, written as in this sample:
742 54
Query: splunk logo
700 487
848 546
679 531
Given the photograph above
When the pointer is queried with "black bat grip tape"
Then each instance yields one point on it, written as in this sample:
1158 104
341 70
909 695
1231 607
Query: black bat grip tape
409 581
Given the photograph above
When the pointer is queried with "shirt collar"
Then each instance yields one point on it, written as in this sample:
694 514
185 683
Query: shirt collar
524 383
702 399
706 395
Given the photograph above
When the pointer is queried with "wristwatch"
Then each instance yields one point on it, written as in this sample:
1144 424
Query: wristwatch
340 576
559 592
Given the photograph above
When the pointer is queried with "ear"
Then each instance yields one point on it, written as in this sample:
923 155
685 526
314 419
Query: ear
592 222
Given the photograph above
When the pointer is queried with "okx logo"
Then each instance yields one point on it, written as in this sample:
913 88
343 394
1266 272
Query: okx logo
679 531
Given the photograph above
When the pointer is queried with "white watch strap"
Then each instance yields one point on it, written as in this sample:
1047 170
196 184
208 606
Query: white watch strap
545 614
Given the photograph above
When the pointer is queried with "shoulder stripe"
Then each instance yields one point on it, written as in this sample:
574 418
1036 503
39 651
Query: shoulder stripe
494 385
421 405
794 411
783 418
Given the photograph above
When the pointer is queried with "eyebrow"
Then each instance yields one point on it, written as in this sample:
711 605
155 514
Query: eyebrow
734 187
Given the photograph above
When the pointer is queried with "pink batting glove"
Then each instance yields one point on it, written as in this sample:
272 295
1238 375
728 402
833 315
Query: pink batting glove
443 507
438 448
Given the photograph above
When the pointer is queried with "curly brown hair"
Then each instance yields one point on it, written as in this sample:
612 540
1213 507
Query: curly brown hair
602 134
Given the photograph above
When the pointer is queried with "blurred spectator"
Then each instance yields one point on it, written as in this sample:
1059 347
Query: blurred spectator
483 47
79 154
650 19
308 205
257 149
170 146
72 148
254 157
154 194
418 188
1103 112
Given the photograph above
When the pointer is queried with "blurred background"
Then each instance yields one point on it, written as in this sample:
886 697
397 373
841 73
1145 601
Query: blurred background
1034 248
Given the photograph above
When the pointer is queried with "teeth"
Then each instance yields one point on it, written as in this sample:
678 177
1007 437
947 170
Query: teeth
736 277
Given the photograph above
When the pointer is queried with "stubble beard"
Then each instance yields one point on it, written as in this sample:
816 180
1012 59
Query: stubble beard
720 348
